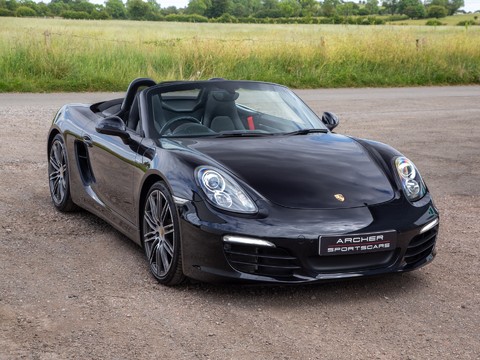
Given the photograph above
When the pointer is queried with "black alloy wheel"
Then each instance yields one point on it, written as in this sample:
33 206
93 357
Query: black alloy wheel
161 236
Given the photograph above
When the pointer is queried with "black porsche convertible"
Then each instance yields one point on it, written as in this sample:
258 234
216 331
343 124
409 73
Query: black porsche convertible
223 180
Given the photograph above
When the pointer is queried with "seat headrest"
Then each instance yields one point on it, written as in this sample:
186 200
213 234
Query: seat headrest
222 123
224 96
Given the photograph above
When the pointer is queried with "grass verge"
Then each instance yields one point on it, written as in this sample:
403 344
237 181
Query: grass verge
45 55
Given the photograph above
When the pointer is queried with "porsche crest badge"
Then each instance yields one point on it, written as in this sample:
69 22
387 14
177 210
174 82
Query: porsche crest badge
339 197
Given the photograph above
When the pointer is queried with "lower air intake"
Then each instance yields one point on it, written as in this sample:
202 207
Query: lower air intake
260 260
421 246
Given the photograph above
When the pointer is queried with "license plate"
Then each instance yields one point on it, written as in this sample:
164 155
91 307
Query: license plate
354 244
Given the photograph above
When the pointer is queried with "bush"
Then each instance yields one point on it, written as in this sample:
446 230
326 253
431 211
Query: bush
5 12
195 18
434 22
269 13
363 12
437 11
466 23
70 14
396 18
415 11
100 15
226 18
25 11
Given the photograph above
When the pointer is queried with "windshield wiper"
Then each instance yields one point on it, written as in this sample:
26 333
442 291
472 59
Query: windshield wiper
306 131
241 134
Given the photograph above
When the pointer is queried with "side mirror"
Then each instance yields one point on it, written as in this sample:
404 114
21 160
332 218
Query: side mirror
113 126
330 120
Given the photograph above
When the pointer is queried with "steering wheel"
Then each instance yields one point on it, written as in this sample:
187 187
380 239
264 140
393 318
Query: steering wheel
177 122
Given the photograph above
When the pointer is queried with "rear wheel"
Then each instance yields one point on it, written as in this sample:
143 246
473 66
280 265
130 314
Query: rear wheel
161 236
58 176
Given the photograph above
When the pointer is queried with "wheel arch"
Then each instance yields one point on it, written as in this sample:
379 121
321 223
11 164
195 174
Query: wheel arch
54 132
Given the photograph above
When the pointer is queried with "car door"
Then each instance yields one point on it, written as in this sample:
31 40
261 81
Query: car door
114 164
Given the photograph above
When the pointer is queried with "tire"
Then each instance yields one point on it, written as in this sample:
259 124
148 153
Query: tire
58 176
161 236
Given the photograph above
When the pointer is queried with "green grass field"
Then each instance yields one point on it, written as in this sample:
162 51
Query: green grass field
44 55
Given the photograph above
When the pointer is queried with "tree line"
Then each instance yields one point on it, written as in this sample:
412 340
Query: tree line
277 11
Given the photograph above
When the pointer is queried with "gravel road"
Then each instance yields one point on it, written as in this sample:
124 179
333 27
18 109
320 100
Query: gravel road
74 288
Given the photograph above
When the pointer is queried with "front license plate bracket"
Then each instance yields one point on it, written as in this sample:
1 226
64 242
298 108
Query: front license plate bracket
354 244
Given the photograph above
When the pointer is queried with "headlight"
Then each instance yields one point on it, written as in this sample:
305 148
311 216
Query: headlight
412 182
223 191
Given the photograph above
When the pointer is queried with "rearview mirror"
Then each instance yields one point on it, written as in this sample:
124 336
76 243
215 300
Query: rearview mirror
113 126
330 120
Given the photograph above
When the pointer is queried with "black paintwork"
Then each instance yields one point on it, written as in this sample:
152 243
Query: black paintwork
291 178
301 171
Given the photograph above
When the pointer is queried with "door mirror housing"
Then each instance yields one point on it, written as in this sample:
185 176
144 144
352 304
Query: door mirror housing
113 126
330 120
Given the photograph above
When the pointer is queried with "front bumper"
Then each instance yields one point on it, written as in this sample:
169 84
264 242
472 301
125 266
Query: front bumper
288 250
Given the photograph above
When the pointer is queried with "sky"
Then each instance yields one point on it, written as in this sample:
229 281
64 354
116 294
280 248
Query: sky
177 3
470 5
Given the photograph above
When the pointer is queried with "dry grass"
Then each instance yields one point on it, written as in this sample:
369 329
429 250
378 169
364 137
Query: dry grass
68 55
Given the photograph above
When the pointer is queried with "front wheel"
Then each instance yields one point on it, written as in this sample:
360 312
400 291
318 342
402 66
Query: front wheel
161 236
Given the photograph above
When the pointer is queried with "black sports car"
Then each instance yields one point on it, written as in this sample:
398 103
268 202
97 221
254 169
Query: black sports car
240 180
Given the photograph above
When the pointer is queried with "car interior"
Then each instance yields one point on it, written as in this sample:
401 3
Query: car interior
200 110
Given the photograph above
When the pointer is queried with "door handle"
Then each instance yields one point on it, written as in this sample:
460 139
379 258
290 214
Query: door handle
88 140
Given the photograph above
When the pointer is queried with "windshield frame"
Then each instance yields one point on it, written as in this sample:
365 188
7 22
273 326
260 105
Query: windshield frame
310 119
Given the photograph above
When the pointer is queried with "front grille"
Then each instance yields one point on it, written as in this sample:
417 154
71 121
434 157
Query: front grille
340 263
421 246
260 260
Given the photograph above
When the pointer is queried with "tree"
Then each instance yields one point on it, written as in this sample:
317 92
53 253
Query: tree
12 5
347 8
56 8
218 8
437 11
454 5
239 10
372 6
450 5
390 6
137 9
170 10
252 5
329 7
309 7
404 4
83 6
116 9
42 9
289 8
270 4
198 6
24 11
415 11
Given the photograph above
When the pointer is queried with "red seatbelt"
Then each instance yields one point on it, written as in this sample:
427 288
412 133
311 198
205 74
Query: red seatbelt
251 125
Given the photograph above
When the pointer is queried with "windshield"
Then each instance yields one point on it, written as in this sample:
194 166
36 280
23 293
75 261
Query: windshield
227 108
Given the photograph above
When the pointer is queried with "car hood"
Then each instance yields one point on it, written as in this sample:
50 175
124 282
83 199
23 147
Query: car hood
315 171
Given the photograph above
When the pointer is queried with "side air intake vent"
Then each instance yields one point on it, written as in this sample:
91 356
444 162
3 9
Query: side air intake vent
83 162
